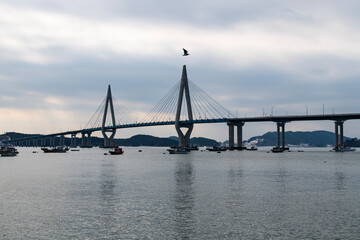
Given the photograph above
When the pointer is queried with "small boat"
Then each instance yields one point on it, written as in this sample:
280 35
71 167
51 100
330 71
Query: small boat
253 148
193 148
277 150
57 149
178 151
75 150
343 149
217 149
117 151
8 152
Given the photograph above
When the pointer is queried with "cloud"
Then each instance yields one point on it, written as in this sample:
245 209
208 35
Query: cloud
247 55
47 37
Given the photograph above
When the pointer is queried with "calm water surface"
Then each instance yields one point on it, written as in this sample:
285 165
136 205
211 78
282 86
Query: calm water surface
203 195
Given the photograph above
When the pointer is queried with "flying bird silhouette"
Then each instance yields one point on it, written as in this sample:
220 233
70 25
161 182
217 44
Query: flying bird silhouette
185 52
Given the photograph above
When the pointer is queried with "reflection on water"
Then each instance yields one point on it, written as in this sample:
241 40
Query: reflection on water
150 195
184 198
108 179
340 181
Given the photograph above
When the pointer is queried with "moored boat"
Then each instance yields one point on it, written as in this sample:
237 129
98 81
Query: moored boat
57 149
193 148
217 149
177 151
343 149
8 152
117 151
253 148
277 150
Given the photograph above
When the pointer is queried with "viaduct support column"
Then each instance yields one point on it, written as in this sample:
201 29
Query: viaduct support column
88 143
73 140
336 135
239 136
231 136
278 135
83 139
341 134
62 140
339 125
282 126
283 135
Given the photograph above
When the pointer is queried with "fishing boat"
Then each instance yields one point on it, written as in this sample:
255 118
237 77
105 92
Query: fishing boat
117 151
343 149
177 151
277 150
8 152
217 149
57 149
193 148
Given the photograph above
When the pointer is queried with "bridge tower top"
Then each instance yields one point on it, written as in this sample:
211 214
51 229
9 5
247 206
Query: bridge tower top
184 140
108 140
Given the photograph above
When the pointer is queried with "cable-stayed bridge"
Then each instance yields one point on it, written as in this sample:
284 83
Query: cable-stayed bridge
183 106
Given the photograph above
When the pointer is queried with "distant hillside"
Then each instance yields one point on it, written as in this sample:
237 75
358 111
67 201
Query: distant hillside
354 142
135 141
199 141
311 139
145 140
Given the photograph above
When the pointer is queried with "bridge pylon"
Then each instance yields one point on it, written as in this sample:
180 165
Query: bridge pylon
184 139
108 140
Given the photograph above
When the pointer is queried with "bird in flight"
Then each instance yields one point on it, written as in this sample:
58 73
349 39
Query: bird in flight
185 52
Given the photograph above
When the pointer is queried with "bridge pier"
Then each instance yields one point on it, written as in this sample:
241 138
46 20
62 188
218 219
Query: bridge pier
239 136
62 140
88 143
231 136
239 126
280 125
339 125
86 140
73 140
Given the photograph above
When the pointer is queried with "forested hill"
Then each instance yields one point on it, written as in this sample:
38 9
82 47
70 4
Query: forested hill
137 140
311 139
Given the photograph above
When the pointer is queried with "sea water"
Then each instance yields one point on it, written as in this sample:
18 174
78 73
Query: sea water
151 194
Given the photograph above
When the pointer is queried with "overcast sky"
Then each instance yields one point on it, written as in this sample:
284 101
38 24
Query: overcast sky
253 57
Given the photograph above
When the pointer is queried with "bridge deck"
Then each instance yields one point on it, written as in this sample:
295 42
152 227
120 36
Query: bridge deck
332 117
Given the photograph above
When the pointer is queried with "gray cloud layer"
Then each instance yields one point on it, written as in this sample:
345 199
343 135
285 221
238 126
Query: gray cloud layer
249 55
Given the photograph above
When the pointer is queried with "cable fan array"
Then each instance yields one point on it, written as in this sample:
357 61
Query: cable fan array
204 107
122 115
